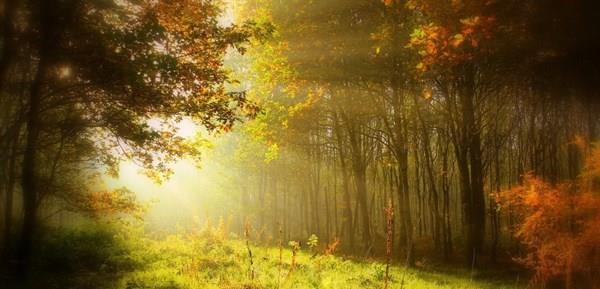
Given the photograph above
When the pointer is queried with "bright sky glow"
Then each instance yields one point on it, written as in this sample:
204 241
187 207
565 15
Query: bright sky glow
191 192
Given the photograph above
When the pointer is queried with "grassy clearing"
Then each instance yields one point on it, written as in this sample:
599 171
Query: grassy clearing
205 259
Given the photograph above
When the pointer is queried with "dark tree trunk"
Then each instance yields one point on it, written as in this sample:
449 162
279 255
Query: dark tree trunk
437 222
472 172
9 195
361 192
347 220
8 41
29 180
405 211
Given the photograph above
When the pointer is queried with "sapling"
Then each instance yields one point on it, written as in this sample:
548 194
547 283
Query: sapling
332 246
295 248
295 245
313 242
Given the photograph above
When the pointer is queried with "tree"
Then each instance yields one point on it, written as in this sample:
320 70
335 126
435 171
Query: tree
114 79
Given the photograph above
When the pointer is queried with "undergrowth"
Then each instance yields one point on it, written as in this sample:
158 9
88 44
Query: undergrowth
126 257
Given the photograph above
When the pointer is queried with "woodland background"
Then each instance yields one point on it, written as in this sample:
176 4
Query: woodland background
421 131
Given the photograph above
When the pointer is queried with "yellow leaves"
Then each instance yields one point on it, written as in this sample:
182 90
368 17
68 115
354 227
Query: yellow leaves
470 21
64 72
109 203
272 153
415 5
427 93
457 40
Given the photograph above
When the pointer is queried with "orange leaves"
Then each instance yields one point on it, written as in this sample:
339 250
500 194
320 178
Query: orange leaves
110 203
560 225
332 246
429 40
392 3
444 41
438 47
457 40
592 165
427 93
478 27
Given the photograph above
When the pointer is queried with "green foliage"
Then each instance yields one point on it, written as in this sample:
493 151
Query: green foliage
127 258
295 245
313 241
92 249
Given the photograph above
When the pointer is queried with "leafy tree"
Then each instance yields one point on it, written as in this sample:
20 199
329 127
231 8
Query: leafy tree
109 81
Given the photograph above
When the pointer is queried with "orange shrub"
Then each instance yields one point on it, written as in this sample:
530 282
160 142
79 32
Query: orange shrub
559 225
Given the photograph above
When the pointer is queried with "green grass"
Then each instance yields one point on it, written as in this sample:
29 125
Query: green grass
131 260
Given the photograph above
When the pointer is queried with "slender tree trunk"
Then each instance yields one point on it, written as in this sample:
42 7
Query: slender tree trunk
8 41
437 222
9 195
361 191
473 197
347 220
316 190
29 178
446 193
275 215
405 210
327 213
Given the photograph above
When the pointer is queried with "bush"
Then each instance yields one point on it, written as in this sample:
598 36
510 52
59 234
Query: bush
560 225
92 249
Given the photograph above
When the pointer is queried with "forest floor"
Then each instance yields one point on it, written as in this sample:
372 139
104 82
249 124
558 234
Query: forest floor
129 259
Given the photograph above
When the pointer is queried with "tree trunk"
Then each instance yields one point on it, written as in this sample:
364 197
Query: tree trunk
9 195
29 181
472 172
347 220
361 192
8 41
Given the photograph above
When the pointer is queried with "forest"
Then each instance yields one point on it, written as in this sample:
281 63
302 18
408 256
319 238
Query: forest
250 144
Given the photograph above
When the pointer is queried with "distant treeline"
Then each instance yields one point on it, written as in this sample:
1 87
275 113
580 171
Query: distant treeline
431 105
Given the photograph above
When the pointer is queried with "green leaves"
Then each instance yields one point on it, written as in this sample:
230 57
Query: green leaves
313 241
272 153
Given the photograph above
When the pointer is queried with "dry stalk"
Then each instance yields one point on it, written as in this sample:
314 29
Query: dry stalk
389 214
251 261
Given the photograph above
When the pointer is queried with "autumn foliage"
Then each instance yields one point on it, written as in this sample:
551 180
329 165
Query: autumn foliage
560 225
110 204
446 42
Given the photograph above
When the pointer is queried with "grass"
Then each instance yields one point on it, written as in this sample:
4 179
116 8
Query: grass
205 259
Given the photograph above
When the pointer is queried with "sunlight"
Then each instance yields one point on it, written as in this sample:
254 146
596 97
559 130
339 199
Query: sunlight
175 202
279 144
187 128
